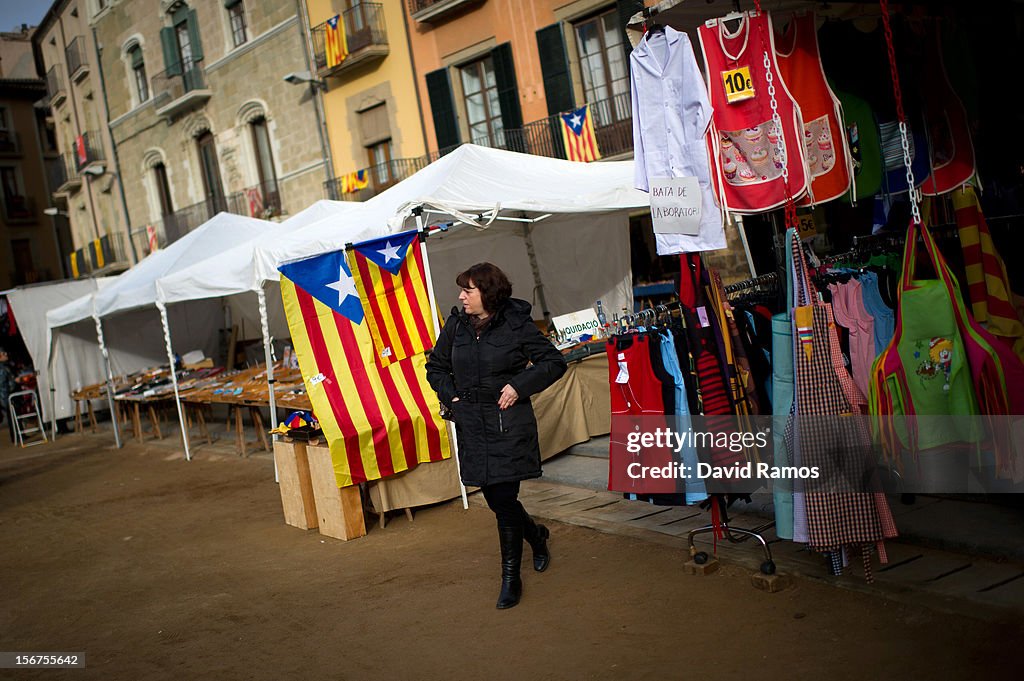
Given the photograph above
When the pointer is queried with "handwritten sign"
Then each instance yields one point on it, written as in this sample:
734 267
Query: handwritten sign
675 205
806 225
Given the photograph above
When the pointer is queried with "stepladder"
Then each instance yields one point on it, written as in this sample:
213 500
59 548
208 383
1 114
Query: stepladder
27 422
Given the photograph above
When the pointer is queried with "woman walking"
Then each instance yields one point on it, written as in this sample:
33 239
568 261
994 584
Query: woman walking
489 359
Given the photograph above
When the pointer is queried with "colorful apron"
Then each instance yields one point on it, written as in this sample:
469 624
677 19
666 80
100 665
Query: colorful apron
825 146
744 143
865 147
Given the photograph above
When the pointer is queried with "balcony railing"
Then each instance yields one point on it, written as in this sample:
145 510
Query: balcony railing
434 10
78 65
100 256
69 178
55 85
19 208
365 37
88 149
179 89
377 178
261 201
9 142
56 172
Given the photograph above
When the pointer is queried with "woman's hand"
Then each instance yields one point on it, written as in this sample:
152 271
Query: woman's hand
508 397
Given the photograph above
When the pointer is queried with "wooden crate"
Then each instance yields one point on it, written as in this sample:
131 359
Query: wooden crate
339 511
295 484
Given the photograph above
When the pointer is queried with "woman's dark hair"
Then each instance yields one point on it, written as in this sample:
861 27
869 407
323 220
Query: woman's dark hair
495 288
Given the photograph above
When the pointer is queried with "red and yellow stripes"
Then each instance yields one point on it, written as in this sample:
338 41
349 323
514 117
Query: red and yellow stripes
378 421
398 306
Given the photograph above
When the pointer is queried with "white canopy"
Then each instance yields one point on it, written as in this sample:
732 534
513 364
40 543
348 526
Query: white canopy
471 179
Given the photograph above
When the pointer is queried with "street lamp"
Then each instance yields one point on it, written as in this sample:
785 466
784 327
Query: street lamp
300 77
95 170
54 211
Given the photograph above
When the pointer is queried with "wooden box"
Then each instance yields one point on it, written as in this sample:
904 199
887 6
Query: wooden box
295 484
339 511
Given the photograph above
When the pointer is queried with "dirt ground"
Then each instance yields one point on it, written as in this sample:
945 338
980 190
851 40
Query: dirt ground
161 569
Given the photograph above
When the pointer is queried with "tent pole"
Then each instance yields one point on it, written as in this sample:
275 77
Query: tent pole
538 284
174 377
738 221
110 377
418 212
268 353
53 387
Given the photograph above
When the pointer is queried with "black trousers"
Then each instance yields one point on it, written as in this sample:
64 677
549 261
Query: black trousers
503 499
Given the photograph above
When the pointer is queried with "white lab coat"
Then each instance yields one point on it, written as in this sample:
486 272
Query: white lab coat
671 115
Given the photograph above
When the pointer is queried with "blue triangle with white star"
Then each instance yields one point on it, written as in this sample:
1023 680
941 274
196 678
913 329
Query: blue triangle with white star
328 279
388 253
575 120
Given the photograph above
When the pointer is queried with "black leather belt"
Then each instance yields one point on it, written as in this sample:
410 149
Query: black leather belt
478 395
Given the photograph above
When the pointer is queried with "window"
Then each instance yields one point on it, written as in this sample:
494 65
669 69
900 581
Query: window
380 161
16 206
212 188
236 15
184 44
267 200
6 134
603 63
483 110
139 72
163 189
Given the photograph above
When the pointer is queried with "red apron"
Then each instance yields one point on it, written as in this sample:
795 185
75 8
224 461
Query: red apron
825 146
743 141
950 147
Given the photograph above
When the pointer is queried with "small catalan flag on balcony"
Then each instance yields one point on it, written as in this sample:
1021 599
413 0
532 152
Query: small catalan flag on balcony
353 182
335 44
578 135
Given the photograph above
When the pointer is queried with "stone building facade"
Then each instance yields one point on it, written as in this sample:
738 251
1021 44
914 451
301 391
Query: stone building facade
201 115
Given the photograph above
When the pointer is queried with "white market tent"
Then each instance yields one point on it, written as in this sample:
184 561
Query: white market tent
76 362
570 224
131 294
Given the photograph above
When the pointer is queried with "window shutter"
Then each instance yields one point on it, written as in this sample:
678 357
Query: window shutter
374 126
554 68
171 63
508 92
228 4
193 35
136 57
626 9
442 106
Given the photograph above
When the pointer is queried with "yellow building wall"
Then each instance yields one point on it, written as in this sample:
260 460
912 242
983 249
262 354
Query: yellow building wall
390 79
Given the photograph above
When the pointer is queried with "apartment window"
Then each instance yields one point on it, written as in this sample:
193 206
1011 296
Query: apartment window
603 65
264 154
163 189
6 138
483 109
210 171
16 206
236 15
380 161
138 66
183 38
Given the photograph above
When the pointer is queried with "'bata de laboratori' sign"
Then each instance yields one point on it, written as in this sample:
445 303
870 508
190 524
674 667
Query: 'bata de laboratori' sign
675 205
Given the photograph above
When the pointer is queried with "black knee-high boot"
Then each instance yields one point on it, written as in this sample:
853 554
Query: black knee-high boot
510 536
536 536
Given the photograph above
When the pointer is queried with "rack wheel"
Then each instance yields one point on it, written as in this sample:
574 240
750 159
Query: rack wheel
768 567
700 558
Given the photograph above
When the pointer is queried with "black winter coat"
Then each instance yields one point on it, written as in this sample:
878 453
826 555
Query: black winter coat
494 446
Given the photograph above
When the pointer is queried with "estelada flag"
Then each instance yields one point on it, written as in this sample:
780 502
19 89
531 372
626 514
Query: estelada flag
378 421
578 135
392 283
354 181
335 43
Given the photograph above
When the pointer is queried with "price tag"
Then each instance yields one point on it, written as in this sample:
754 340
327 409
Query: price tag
806 226
738 86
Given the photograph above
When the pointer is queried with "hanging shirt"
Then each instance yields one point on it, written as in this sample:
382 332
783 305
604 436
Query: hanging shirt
671 113
882 314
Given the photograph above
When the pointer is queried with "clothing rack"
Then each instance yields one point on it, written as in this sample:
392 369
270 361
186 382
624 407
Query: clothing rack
764 280
649 315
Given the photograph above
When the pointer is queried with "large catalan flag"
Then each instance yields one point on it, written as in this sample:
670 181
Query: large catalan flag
578 135
392 283
378 421
335 43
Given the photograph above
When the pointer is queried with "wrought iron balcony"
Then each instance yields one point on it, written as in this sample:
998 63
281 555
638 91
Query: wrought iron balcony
105 255
365 38
88 150
260 201
182 221
78 64
19 209
63 174
56 172
55 85
9 143
431 11
179 89
377 179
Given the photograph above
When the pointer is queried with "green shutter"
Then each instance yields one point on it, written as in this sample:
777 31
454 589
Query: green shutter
508 91
554 68
171 62
442 106
136 56
193 35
